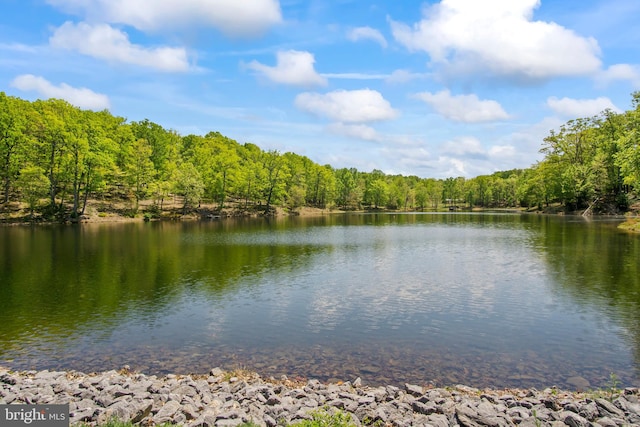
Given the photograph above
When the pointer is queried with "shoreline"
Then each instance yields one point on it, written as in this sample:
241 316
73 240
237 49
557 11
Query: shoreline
223 398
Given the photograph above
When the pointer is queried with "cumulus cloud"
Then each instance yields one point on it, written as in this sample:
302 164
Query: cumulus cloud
232 17
80 97
502 151
347 106
404 76
355 76
463 108
620 72
105 42
367 33
580 107
358 131
499 37
467 147
292 67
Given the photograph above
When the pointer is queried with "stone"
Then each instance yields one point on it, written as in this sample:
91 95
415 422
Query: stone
589 411
414 390
606 422
167 412
481 415
269 421
573 420
228 422
206 419
438 420
607 408
81 415
190 412
627 406
424 408
199 402
216 372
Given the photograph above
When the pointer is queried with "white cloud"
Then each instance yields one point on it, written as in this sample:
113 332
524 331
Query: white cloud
232 17
468 147
578 108
624 72
17 47
105 42
502 151
404 76
463 108
355 76
354 106
80 97
499 37
293 67
367 33
358 131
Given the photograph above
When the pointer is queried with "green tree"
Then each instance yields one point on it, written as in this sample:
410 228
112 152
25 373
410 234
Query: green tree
52 145
379 192
13 138
421 194
139 169
276 174
100 163
321 186
188 184
348 189
33 186
628 156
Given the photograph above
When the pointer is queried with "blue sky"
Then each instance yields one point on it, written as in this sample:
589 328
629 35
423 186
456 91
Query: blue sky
433 89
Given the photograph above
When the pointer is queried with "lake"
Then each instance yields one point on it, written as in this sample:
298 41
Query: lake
488 300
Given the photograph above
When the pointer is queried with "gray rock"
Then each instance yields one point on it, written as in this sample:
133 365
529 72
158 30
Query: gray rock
518 413
573 420
483 414
231 422
607 422
206 419
190 412
438 420
193 401
627 406
414 390
167 412
269 421
589 411
607 408
9 397
81 415
424 408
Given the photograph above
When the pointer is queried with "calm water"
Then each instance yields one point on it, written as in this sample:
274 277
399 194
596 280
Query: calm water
494 300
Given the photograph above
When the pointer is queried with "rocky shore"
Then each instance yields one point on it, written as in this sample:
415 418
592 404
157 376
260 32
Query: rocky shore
228 399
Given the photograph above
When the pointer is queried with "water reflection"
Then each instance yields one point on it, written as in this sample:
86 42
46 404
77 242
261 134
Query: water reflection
488 300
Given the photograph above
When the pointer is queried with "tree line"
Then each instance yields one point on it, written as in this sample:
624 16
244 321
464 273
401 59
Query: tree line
54 157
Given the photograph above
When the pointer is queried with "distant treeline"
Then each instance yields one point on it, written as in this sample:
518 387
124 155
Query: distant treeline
54 157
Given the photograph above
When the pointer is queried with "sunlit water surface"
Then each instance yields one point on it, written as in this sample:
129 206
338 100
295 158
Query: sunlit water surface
495 300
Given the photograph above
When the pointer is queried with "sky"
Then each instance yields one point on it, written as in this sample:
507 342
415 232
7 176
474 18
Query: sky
434 89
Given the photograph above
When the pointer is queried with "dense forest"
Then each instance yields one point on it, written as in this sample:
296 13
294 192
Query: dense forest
55 157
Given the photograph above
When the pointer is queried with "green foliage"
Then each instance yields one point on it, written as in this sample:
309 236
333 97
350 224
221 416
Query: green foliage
188 184
33 185
591 162
324 418
611 390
